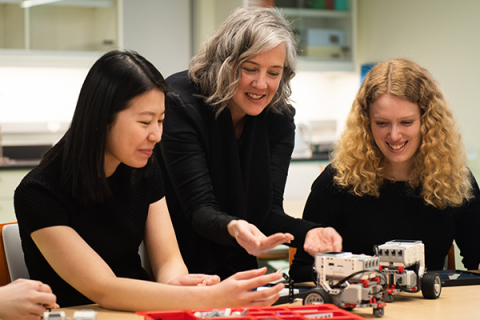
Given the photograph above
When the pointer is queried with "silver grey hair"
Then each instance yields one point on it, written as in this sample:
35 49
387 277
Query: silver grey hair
215 70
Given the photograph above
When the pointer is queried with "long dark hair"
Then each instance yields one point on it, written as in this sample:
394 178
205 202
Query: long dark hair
112 82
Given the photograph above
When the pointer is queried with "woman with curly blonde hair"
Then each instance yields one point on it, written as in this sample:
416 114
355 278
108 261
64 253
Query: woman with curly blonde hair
398 172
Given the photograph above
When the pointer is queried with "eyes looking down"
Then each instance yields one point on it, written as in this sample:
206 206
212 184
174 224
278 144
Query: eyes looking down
395 125
135 131
260 77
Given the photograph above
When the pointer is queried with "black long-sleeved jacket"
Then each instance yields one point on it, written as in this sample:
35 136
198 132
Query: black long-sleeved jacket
211 178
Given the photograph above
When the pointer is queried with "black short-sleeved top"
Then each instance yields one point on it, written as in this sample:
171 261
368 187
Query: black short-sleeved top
113 229
399 213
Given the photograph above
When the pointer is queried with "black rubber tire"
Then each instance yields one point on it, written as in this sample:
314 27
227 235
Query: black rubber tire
431 285
388 297
379 312
317 296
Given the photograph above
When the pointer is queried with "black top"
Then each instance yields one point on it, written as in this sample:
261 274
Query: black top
397 214
211 178
113 229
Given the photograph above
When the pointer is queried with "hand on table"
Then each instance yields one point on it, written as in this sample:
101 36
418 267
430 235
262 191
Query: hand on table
195 279
25 300
253 240
237 289
322 240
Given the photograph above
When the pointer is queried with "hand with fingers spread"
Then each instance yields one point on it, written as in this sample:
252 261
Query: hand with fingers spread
253 240
195 279
25 300
322 240
237 289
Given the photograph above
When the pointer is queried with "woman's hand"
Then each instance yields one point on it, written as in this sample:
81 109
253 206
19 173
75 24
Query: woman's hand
237 289
253 240
195 279
322 240
25 300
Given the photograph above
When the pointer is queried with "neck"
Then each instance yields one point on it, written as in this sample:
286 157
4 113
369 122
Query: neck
238 120
238 127
398 171
110 165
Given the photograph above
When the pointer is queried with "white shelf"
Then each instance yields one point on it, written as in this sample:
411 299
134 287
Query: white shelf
73 3
325 64
48 59
318 56
315 13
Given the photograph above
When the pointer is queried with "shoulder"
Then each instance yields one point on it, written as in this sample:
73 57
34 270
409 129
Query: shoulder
280 124
285 116
183 98
39 200
325 179
44 177
179 82
181 87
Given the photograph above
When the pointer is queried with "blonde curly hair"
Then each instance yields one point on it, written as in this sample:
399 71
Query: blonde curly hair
439 171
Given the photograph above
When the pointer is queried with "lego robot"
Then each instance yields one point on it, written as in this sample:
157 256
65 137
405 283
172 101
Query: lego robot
395 257
348 281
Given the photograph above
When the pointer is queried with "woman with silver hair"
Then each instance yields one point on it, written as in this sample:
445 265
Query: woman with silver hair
227 143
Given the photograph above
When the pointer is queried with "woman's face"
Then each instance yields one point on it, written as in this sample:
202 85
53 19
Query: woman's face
395 124
135 131
260 76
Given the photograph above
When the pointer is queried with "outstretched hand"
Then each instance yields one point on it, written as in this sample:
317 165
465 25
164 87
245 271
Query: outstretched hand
322 240
253 240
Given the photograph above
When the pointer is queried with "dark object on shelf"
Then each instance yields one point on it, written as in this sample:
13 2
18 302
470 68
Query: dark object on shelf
33 152
286 3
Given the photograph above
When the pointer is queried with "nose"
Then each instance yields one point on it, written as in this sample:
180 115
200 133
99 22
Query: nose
260 81
395 133
156 134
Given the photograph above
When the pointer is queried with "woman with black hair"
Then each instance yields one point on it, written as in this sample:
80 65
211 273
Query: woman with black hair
84 211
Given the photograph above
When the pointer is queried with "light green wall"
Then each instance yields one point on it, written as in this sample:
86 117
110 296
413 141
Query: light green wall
11 26
442 36
208 15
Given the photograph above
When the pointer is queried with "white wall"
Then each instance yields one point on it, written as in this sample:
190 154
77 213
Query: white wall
160 30
324 96
39 91
29 92
207 16
43 86
440 35
11 26
73 28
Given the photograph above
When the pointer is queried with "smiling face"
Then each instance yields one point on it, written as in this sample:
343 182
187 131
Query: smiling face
135 131
260 76
395 124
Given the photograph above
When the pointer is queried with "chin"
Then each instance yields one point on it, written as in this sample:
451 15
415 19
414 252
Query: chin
255 112
138 165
